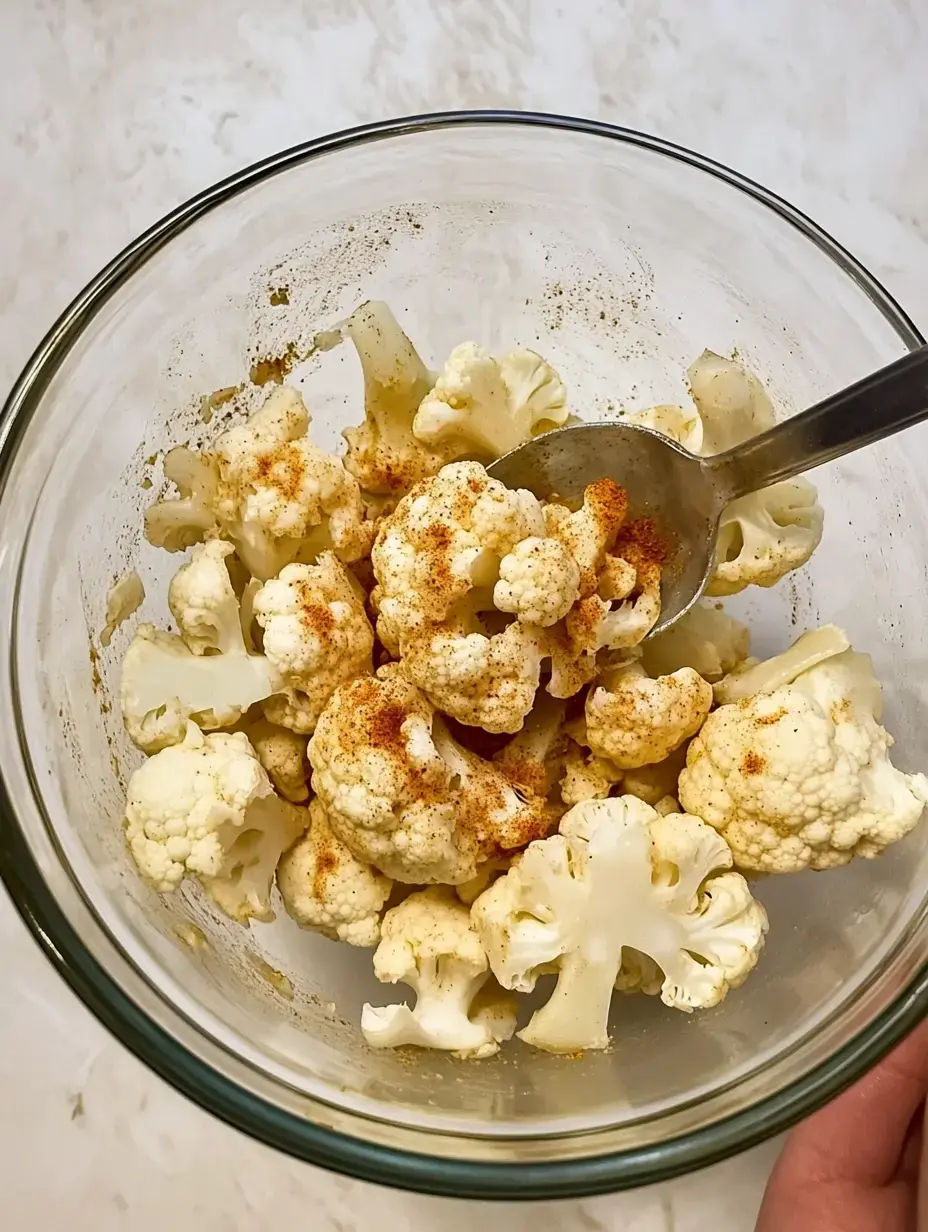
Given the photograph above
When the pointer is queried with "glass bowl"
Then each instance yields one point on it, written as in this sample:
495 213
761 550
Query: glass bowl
620 258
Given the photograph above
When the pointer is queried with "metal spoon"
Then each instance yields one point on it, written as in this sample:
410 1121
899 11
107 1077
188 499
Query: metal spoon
684 494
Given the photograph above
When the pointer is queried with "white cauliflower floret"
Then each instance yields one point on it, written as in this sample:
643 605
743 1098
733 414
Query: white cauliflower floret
445 537
483 407
177 523
706 639
558 908
681 425
732 403
383 454
282 753
754 677
538 581
636 721
586 776
203 601
205 808
766 535
326 889
268 489
316 636
164 684
428 943
403 796
481 681
800 777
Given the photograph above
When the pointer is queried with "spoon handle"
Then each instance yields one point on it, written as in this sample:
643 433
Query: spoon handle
894 398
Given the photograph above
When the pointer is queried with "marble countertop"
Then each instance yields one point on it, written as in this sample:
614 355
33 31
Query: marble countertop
112 113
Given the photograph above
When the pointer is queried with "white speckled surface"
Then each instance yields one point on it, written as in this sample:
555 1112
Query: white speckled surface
112 113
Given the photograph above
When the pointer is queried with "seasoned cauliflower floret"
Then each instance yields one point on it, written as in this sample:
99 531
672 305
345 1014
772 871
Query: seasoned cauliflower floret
635 721
586 776
383 454
428 943
591 531
205 808
268 489
483 407
445 537
316 635
482 681
282 753
326 889
800 777
538 581
618 876
404 796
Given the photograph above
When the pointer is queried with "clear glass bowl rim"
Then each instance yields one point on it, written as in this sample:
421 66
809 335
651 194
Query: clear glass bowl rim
213 1090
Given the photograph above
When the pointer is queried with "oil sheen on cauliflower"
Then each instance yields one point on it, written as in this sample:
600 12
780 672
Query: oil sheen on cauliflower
428 943
265 487
326 889
404 796
800 777
205 808
618 875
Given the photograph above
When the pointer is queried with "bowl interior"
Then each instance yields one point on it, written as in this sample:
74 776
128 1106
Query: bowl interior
619 264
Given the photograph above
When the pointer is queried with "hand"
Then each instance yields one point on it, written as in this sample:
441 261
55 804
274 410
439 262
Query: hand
854 1165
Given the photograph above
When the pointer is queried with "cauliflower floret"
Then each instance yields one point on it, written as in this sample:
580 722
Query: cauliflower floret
706 639
481 681
682 426
164 684
445 537
586 776
529 760
268 489
754 677
205 808
538 581
282 753
658 781
483 407
766 535
428 943
403 796
383 454
732 403
800 777
316 636
590 532
177 523
203 602
558 909
636 721
326 889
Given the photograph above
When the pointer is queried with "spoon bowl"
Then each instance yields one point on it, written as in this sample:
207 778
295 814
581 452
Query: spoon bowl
685 495
663 481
